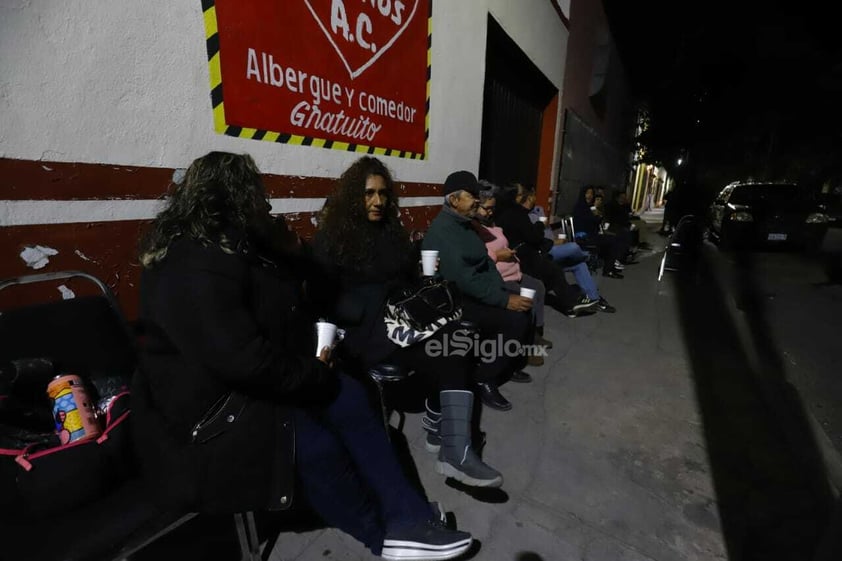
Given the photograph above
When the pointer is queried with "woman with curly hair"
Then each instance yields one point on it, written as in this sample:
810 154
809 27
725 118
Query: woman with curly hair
366 252
231 407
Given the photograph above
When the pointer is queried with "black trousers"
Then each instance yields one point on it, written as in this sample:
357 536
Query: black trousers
438 360
502 332
552 275
611 247
348 470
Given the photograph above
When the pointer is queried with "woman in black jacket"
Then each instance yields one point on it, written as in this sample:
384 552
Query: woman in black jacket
533 251
233 405
365 253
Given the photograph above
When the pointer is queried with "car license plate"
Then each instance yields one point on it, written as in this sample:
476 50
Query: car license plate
777 237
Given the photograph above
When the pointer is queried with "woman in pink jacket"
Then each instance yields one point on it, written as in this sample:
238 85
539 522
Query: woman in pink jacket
505 258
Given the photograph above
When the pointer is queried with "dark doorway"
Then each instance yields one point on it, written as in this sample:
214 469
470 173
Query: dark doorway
516 94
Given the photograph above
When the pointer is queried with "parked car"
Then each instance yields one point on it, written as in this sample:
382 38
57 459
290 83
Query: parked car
747 214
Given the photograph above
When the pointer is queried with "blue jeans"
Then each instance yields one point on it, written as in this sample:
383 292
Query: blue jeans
348 470
584 280
569 250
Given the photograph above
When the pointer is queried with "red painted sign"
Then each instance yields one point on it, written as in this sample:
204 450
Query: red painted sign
346 74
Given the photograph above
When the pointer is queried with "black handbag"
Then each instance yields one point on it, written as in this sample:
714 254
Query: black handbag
414 314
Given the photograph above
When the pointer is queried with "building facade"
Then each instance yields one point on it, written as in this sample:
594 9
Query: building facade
103 104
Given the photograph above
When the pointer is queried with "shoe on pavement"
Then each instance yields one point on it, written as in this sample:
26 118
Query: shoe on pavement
604 306
618 266
521 377
583 304
612 274
427 540
491 397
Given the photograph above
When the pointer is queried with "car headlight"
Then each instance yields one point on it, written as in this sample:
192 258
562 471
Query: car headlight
741 216
818 218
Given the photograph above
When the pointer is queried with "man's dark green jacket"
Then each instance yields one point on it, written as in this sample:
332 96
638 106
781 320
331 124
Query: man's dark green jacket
464 258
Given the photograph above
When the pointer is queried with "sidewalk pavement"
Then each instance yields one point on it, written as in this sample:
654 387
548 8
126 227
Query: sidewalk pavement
603 455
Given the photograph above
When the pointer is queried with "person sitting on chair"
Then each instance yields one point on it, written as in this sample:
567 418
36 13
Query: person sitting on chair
587 219
485 300
231 402
365 252
566 253
507 262
618 216
533 250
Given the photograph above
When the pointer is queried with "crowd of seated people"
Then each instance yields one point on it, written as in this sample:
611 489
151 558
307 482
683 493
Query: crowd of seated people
560 254
235 413
613 246
229 298
364 252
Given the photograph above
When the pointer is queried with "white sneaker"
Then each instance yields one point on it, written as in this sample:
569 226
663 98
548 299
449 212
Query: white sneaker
619 266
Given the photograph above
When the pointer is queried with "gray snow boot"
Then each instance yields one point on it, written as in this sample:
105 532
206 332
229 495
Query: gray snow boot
431 422
456 457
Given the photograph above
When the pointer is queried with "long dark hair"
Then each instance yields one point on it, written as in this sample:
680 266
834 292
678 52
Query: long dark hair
344 228
220 193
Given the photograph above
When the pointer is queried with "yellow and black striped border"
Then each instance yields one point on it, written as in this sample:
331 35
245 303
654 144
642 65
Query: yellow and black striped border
218 105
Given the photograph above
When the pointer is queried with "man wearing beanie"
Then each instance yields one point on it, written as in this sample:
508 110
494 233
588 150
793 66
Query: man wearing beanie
464 261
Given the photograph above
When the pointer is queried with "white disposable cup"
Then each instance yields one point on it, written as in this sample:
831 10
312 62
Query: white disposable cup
527 293
325 334
429 259
562 236
543 219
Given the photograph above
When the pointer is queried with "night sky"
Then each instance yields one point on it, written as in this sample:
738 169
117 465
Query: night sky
745 92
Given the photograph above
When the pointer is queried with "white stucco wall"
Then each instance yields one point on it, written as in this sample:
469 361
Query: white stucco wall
119 82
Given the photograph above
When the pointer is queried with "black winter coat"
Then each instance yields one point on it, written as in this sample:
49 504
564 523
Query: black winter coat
355 298
519 229
216 322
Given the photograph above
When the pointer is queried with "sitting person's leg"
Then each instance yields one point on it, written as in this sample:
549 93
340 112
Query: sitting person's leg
349 426
540 297
497 324
585 280
331 485
537 305
450 404
570 297
570 252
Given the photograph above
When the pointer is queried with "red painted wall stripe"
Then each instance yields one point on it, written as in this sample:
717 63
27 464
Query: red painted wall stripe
36 180
108 250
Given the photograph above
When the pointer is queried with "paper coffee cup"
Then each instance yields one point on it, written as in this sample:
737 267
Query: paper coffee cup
543 219
527 293
429 258
562 236
325 335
